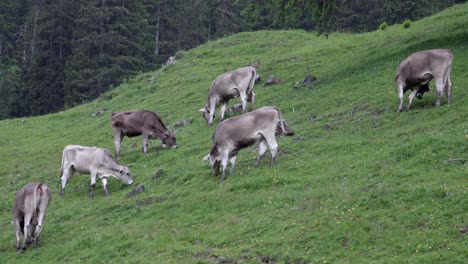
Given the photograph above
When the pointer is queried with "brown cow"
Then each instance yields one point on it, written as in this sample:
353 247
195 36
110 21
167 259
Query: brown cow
236 133
29 209
230 85
91 160
140 122
416 71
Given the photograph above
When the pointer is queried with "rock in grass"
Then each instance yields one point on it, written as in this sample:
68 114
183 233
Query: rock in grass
271 80
183 122
140 188
158 174
235 108
309 79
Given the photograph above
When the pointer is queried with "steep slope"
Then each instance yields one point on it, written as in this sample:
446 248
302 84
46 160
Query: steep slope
359 182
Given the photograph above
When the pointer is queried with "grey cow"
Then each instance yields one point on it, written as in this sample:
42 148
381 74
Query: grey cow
416 71
98 162
235 133
227 86
29 210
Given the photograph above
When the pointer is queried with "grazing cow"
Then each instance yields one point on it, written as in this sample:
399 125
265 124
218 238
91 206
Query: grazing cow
29 209
230 85
140 122
236 133
416 71
91 160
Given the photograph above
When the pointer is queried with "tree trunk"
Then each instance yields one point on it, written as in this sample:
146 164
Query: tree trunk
37 7
156 38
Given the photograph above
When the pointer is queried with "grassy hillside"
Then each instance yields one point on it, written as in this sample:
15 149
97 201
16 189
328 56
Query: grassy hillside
358 183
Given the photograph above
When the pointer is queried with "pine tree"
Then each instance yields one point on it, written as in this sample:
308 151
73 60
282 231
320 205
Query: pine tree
110 43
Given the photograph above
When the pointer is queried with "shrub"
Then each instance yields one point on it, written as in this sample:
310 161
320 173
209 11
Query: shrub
407 23
383 26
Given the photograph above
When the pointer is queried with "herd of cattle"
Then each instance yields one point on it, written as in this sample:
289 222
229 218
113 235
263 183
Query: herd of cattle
230 136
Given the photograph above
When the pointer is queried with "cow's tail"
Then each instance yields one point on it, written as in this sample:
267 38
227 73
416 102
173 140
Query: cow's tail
252 79
35 205
449 69
63 160
281 121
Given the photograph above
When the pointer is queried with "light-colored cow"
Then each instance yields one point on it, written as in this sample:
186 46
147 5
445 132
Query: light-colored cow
29 210
416 71
236 133
140 122
91 160
230 85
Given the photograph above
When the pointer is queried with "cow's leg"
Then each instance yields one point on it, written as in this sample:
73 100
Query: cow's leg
145 142
232 160
42 208
17 224
273 146
216 168
252 100
27 226
224 161
66 174
243 97
262 148
212 111
118 136
93 184
448 91
222 111
411 97
400 97
104 185
440 90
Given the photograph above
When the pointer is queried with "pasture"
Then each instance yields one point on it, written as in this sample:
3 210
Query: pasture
357 183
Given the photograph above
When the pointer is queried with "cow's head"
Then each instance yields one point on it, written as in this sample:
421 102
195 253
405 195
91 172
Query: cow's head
124 175
422 90
287 130
205 111
168 139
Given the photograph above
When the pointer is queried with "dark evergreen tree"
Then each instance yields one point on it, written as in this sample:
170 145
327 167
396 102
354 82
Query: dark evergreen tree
110 43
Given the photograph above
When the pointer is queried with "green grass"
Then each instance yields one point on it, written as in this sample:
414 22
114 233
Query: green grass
358 183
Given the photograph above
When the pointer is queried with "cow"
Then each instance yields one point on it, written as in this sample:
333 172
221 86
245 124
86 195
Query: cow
29 210
235 133
140 122
416 71
227 86
98 162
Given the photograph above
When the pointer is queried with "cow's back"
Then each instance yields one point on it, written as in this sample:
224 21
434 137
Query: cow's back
133 122
224 84
83 158
24 195
251 123
414 66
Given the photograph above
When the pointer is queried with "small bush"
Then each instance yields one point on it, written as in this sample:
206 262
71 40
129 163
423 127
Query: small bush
407 23
383 26
180 54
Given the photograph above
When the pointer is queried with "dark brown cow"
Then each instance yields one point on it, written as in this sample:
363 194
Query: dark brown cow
140 122
236 133
416 71
29 210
